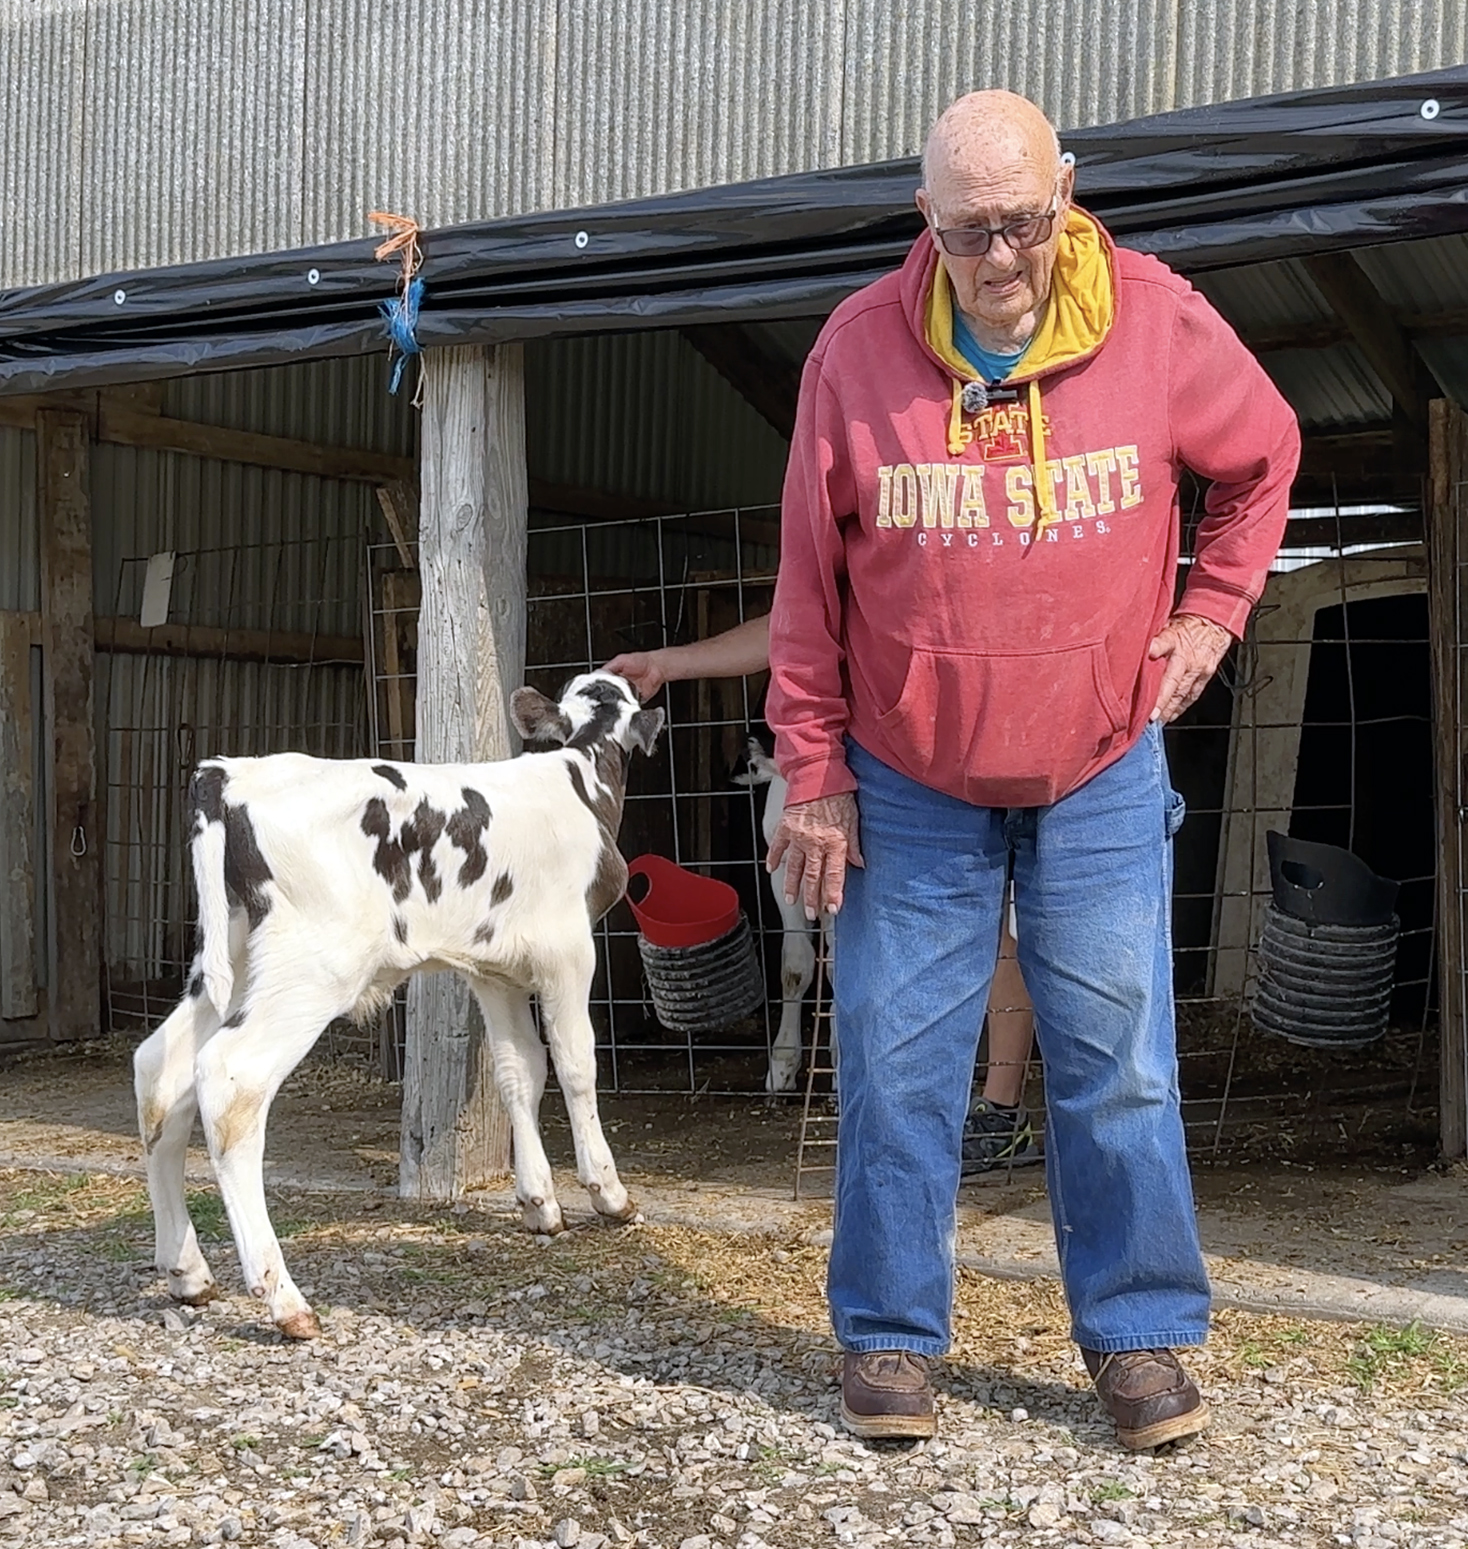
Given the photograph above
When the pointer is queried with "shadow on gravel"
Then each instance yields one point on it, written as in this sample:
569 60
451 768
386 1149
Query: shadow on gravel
732 1315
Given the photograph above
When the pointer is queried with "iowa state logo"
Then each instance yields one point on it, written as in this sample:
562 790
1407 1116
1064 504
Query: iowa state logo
1001 432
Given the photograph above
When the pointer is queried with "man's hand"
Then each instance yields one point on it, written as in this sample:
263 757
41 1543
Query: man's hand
1193 647
644 670
817 841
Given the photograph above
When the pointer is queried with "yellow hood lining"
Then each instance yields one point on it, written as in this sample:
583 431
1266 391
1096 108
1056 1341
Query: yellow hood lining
1077 318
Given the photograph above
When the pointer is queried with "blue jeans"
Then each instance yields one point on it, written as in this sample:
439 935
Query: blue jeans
915 945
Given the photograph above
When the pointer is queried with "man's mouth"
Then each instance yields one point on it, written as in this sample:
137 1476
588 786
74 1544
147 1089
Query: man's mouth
1004 287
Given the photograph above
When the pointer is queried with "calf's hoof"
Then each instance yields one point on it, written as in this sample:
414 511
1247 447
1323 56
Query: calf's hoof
300 1325
623 1217
189 1289
545 1220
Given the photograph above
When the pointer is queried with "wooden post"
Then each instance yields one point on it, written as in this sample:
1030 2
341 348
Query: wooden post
471 658
75 956
17 816
1448 627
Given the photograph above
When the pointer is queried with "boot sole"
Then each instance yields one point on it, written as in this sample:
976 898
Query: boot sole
888 1427
1164 1431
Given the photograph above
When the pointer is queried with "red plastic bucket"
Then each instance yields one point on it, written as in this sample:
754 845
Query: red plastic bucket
679 908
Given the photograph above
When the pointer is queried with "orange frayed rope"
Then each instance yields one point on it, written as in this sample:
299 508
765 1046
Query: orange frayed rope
400 315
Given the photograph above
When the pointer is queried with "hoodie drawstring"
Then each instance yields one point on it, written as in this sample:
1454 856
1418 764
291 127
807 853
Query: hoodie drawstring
1044 492
955 421
1039 465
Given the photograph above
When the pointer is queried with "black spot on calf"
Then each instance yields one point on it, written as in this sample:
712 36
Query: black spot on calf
391 775
196 984
237 1019
390 863
502 888
206 795
484 934
420 833
464 829
245 868
400 928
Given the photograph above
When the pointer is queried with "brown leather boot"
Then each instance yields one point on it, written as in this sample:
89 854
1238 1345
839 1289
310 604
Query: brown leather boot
886 1393
1148 1394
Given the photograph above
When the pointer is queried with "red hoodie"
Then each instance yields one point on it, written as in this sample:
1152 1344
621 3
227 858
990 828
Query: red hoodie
919 608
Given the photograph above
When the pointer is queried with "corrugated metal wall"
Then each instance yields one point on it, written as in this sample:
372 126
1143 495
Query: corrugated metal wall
645 414
140 132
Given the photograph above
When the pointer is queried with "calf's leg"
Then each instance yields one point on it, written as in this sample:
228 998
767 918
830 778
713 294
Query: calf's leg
238 1073
797 969
565 985
163 1080
519 1077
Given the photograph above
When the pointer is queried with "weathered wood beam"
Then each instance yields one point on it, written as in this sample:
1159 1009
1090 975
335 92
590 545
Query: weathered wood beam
291 647
17 816
62 460
125 419
1447 598
471 657
399 504
1355 300
129 427
764 379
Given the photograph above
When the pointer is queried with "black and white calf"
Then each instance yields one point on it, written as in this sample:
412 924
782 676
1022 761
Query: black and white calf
797 949
323 884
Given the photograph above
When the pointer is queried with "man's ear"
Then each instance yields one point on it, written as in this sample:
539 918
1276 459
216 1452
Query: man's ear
537 718
644 729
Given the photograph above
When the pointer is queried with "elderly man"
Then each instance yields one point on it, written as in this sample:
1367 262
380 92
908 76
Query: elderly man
974 648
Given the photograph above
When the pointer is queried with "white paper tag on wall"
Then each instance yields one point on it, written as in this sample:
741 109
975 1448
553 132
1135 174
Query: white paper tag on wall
157 590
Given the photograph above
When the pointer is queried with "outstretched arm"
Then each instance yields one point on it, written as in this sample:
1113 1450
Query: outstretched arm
734 654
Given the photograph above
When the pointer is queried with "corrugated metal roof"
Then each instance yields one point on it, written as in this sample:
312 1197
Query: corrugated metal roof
1416 277
152 131
1331 388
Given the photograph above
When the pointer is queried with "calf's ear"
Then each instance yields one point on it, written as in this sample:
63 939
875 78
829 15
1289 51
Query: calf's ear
644 729
537 718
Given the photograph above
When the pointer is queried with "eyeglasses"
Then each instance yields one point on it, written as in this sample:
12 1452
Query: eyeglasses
974 241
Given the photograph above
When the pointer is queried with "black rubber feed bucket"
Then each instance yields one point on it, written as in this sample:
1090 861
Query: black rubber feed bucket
704 988
1328 951
696 945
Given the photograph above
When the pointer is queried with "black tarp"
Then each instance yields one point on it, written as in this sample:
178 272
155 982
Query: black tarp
1203 188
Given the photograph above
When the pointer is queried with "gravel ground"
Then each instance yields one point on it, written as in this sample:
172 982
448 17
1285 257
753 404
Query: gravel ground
652 1386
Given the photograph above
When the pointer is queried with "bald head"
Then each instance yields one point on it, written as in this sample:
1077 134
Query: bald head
993 164
990 129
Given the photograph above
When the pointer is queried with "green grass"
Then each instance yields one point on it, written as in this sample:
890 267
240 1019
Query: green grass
596 1468
8 1293
44 1195
243 1441
1111 1490
1384 1350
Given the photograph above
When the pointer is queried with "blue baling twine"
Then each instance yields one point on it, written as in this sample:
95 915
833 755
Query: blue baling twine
400 324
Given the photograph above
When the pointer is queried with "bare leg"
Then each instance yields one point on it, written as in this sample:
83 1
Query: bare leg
238 1074
519 1077
163 1079
1011 1028
563 995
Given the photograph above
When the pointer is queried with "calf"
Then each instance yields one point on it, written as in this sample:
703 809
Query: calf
323 884
797 952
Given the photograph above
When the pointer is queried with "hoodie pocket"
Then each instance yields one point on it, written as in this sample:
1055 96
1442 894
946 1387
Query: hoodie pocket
1007 729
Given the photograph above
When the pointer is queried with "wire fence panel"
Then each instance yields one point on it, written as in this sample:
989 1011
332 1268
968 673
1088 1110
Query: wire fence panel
239 670
1319 726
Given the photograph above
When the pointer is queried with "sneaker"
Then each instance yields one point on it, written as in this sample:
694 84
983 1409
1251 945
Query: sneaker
886 1394
1148 1394
998 1136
